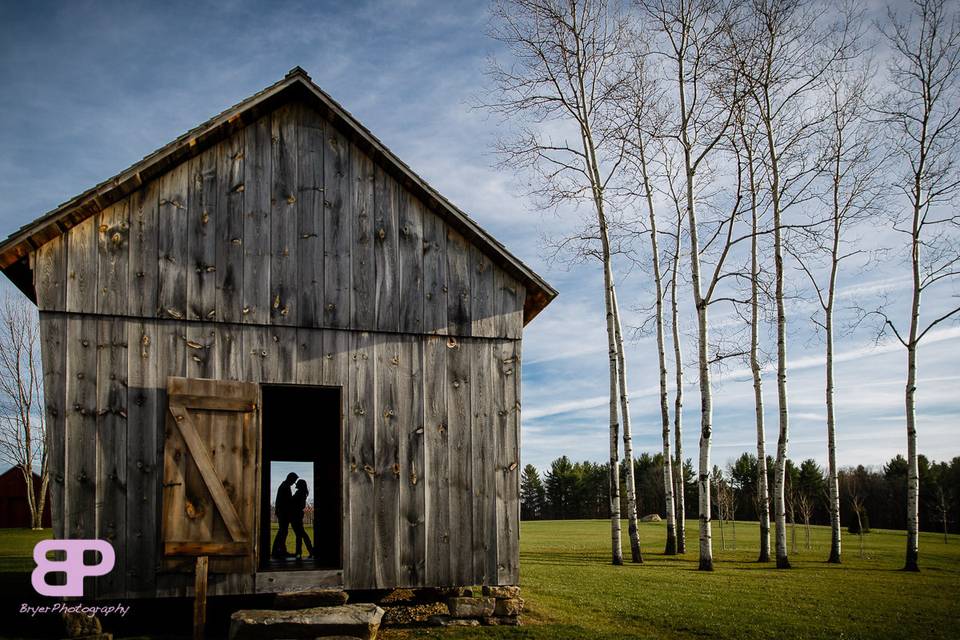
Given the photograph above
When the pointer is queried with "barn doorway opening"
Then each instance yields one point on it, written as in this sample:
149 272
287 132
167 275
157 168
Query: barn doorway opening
301 441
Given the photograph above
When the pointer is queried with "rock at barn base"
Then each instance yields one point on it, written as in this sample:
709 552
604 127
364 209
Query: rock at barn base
360 621
471 607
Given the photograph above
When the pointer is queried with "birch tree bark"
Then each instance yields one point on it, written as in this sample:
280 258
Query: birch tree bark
784 50
565 66
641 125
671 543
691 31
756 368
853 192
678 474
924 110
632 528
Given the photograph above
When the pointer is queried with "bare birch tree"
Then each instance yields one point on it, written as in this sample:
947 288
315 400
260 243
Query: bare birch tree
564 71
692 46
23 434
923 109
852 168
679 479
748 134
784 49
641 131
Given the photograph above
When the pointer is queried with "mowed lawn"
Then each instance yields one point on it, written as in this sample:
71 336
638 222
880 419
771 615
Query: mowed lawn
16 548
291 537
572 591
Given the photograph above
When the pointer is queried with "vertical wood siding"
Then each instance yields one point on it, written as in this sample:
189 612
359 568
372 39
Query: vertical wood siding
285 255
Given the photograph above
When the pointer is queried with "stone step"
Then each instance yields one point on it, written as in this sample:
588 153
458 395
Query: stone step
359 621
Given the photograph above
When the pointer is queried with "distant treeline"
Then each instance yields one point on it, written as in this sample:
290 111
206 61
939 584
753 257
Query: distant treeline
571 490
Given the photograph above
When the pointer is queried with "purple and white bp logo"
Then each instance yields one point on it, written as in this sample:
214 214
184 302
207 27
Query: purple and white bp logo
72 565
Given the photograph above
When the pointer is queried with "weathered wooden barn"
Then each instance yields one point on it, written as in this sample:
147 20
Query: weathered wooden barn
276 285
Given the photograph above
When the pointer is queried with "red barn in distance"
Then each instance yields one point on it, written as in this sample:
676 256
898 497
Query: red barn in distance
14 510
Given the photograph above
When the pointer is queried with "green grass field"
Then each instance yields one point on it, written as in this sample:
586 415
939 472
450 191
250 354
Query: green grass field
572 591
291 537
16 548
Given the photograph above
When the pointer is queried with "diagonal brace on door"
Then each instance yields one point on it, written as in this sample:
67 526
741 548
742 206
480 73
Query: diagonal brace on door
204 462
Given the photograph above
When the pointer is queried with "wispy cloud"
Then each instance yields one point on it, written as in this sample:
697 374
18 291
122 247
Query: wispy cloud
91 88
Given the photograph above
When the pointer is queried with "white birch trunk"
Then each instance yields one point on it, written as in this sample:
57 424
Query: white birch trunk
763 498
671 543
678 475
706 393
833 480
911 562
632 529
783 561
616 548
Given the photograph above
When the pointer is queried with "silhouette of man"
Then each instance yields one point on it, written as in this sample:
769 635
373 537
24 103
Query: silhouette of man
283 505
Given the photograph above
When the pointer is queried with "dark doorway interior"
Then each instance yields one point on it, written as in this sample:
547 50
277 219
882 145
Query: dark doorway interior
302 424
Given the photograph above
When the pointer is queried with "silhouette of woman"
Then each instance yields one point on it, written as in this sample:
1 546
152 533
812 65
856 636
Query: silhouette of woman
298 504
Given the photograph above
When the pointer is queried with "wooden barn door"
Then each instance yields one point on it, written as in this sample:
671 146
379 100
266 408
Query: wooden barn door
211 474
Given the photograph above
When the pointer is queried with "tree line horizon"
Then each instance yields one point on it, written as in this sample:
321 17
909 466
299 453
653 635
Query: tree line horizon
732 155
876 494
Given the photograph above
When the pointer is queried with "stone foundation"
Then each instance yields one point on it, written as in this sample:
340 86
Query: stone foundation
497 605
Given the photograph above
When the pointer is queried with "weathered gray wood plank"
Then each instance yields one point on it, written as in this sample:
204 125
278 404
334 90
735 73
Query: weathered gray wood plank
201 350
113 230
310 262
283 217
310 356
231 187
362 274
50 275
282 357
202 210
111 449
434 274
508 298
256 223
508 462
81 465
229 358
483 303
172 225
53 333
82 266
144 420
337 368
336 229
481 442
411 263
387 453
360 571
461 462
410 423
437 481
386 249
142 266
257 348
458 285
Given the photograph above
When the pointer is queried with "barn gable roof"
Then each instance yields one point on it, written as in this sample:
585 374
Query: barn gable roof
296 85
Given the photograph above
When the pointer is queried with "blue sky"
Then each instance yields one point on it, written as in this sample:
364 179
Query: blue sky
91 87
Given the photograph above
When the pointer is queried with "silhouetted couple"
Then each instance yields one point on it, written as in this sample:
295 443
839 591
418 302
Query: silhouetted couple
289 509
